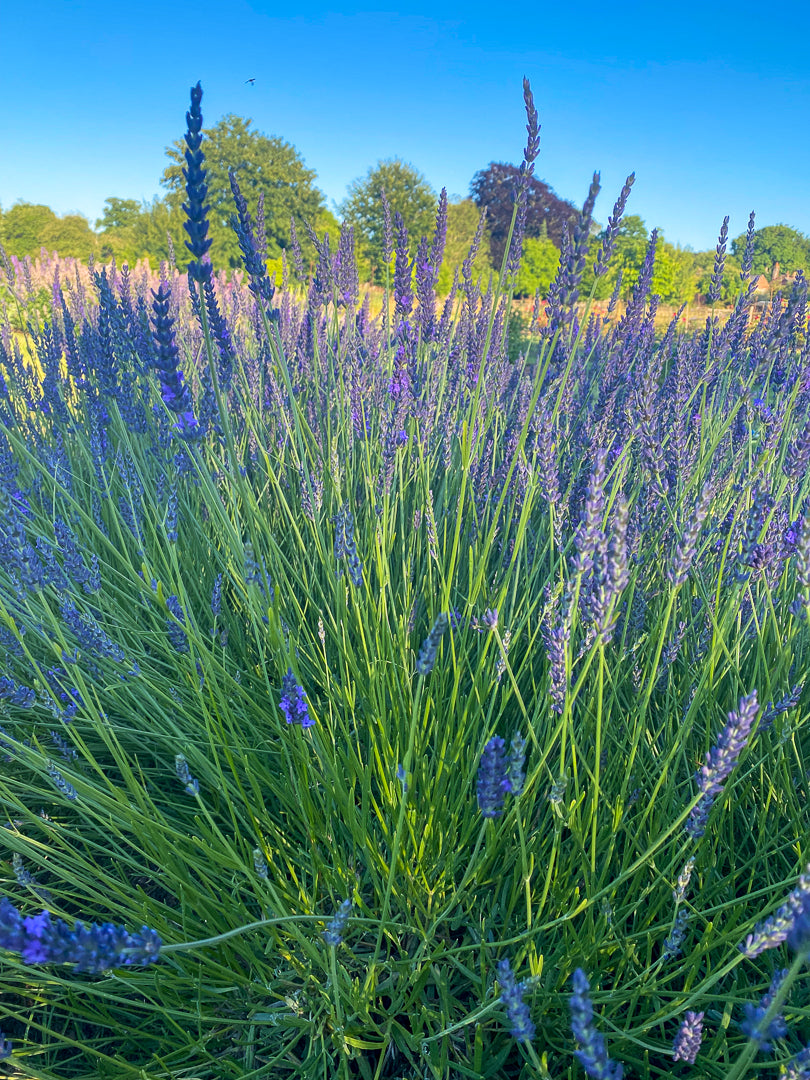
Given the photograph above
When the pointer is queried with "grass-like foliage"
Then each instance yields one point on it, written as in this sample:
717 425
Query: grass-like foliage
372 706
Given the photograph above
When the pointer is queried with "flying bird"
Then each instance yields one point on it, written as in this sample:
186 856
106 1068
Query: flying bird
251 81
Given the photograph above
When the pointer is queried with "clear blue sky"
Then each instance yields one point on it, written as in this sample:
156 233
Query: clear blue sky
711 110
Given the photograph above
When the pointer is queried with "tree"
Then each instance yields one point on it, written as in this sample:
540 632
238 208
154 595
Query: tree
408 193
23 227
538 267
776 244
134 230
493 188
262 163
674 274
462 222
119 214
70 236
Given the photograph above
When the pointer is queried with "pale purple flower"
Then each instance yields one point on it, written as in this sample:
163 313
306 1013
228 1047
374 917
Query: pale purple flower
720 761
493 781
687 1041
592 1053
517 1010
719 263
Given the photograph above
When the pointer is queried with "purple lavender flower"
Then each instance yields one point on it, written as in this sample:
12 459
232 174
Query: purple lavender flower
493 781
720 761
196 211
177 635
517 1010
789 701
752 1026
403 297
555 638
345 545
216 596
41 939
770 933
333 934
592 1054
748 254
293 701
21 696
798 1068
685 551
687 1041
612 229
672 945
5 1047
719 263
259 283
798 936
297 254
430 646
173 390
388 232
67 789
191 785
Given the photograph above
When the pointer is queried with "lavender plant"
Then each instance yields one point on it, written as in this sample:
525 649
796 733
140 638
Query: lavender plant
261 817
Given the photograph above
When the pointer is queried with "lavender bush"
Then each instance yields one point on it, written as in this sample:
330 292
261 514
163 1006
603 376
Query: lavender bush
373 706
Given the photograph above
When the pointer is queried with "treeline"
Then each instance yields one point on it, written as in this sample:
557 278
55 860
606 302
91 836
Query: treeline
285 201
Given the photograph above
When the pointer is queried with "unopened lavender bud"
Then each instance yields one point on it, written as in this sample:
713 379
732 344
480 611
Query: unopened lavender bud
333 934
427 654
191 785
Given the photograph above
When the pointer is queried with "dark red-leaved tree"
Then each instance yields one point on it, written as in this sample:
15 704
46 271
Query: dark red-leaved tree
493 187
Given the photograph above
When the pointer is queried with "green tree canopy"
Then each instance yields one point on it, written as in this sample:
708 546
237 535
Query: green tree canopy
776 244
119 214
538 267
70 236
133 230
407 191
262 163
462 222
674 275
28 227
23 226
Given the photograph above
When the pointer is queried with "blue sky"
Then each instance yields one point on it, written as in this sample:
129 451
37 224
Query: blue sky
711 110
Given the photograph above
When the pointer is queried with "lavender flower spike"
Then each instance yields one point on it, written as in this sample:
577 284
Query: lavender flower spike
5 1047
293 702
755 1014
196 211
493 781
517 1010
427 654
41 939
687 1041
774 930
592 1054
720 761
798 1068
612 230
333 934
719 263
192 786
